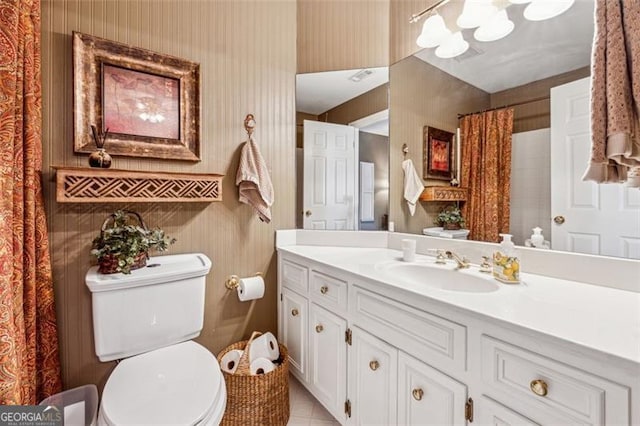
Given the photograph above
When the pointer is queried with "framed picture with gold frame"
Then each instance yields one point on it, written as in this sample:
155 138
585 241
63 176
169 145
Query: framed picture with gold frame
438 154
149 102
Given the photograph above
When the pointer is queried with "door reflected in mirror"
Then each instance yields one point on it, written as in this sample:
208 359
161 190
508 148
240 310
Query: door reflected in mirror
342 155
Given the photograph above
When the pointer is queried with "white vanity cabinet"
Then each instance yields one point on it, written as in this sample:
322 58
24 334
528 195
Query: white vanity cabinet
375 353
373 380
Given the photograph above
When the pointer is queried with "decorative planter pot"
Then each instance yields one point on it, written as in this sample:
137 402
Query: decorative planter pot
451 226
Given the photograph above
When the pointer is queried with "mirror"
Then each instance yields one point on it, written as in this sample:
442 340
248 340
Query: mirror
342 149
518 70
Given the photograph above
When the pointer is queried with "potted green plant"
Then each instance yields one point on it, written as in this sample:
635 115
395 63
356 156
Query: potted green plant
450 218
123 245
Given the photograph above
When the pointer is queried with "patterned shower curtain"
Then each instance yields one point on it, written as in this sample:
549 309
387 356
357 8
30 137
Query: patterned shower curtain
486 172
29 362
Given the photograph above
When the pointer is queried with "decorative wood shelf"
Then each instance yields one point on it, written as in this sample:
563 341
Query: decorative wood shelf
85 185
443 193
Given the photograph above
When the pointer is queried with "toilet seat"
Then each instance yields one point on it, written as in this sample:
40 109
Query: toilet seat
178 385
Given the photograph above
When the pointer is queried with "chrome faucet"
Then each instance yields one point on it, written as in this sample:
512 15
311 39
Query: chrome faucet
461 261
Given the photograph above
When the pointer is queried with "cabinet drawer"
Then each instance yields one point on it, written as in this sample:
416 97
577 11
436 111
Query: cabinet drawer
294 276
328 291
423 335
557 388
488 412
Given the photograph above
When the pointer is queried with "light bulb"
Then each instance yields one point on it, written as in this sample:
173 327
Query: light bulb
539 10
497 27
453 46
475 13
433 33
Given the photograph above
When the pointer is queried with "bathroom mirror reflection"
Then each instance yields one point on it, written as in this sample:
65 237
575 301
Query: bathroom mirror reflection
519 70
342 149
540 67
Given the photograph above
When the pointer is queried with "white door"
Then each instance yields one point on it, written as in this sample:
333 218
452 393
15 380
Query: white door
328 359
330 181
427 396
586 217
373 379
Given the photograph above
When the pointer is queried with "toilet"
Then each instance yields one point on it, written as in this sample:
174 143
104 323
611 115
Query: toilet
146 320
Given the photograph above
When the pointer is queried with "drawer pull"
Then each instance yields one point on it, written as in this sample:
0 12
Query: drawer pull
324 289
319 328
374 365
294 312
417 394
539 387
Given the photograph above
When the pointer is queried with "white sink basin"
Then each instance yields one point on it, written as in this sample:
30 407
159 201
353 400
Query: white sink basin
442 277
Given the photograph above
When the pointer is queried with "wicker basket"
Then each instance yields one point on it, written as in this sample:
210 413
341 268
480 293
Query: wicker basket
109 263
256 400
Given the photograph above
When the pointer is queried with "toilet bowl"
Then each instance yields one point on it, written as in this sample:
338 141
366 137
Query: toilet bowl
146 320
177 385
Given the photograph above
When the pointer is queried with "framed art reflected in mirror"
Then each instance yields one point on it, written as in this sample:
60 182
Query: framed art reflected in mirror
438 154
149 102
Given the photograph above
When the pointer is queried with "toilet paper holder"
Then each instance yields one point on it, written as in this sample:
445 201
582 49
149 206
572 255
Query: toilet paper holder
233 281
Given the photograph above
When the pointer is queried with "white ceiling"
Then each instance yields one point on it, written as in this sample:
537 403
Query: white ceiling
319 92
533 51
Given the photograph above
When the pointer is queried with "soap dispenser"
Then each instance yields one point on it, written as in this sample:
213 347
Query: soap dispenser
537 239
506 265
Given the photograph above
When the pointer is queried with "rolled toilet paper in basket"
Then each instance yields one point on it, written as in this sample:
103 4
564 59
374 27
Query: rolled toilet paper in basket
230 361
261 366
265 346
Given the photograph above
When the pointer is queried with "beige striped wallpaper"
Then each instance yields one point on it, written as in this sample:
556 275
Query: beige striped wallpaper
342 34
247 53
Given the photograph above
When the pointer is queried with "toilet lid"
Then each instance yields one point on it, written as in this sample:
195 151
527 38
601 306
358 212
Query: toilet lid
175 385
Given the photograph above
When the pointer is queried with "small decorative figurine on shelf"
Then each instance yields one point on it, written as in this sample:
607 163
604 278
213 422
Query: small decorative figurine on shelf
100 158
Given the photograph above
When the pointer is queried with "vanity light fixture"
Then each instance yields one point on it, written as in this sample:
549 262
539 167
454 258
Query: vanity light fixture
476 13
539 10
453 46
499 26
434 32
491 21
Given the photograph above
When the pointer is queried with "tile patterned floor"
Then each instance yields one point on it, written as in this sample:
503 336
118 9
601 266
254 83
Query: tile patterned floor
305 409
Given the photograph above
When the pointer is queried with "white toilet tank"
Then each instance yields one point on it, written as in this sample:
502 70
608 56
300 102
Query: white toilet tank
156 306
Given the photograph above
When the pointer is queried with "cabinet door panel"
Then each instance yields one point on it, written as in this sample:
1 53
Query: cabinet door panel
373 380
328 359
490 413
427 396
294 329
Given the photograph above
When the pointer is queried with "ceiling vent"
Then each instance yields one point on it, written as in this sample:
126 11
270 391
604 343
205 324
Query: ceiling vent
361 75
470 53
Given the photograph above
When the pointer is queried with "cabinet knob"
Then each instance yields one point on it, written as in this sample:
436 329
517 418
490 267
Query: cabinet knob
294 312
324 289
319 328
539 387
417 394
307 213
559 220
374 365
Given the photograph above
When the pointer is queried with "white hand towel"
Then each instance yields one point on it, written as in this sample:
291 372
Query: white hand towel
254 182
413 186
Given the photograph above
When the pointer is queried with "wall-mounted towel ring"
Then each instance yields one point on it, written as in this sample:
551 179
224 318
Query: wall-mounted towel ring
405 149
234 281
249 124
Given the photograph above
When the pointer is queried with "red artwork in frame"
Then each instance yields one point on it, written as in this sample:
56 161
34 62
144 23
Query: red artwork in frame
438 154
140 103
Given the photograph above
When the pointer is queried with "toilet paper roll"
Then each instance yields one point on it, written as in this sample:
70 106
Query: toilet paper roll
251 288
265 346
230 360
261 366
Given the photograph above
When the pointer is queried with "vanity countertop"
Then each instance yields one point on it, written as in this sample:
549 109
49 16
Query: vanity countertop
599 318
